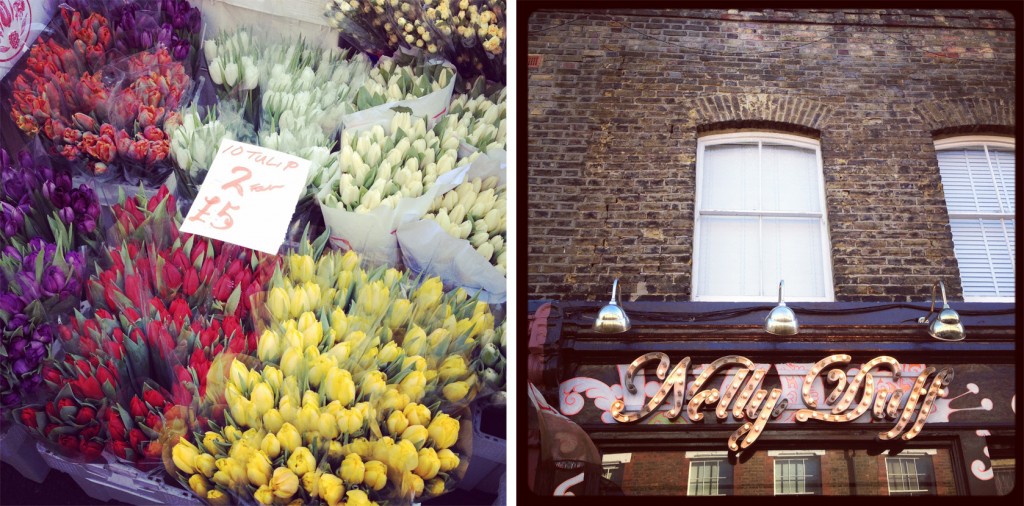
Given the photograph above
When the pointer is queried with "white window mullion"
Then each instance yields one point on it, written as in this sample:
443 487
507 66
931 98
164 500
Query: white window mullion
760 218
995 185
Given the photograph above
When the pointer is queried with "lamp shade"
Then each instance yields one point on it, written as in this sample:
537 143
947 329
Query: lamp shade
947 326
781 320
612 319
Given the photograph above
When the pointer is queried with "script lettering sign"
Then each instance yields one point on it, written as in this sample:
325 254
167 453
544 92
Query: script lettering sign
848 400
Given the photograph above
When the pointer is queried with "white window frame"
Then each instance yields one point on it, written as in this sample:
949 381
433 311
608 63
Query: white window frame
716 479
916 473
783 455
826 254
974 141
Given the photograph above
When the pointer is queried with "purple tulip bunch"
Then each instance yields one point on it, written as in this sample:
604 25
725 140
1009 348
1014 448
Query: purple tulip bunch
48 227
31 192
173 24
37 280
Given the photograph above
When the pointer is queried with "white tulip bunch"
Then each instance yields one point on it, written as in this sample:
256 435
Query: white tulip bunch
475 22
194 141
382 165
477 119
231 58
475 210
391 81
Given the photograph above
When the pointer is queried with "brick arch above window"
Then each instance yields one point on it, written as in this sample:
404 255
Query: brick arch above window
967 115
801 113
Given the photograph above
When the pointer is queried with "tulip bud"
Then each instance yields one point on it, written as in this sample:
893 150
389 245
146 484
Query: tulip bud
309 418
443 430
352 469
270 446
397 423
331 489
212 441
278 303
401 309
357 498
413 385
199 484
262 398
415 434
301 461
340 352
338 385
184 455
455 392
284 483
486 250
375 475
291 361
373 384
311 329
301 268
272 421
258 469
453 367
289 437
264 495
204 464
268 349
447 459
319 368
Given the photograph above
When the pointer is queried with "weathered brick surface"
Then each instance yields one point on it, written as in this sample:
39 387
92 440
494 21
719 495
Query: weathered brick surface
614 117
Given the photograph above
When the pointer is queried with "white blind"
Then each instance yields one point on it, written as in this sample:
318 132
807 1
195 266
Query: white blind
760 220
978 183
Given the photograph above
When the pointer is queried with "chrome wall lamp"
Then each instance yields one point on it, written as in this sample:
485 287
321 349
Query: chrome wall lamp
612 319
947 326
781 320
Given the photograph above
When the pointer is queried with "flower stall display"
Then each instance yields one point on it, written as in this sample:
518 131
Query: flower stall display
469 33
98 95
315 376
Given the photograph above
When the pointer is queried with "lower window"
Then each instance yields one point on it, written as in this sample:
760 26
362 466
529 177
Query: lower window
709 477
798 475
910 475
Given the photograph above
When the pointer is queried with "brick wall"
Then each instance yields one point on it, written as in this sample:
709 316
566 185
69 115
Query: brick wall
614 116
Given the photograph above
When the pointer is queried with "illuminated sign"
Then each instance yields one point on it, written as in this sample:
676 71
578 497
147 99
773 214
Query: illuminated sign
757 406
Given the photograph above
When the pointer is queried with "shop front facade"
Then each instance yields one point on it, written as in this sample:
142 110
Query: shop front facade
858 165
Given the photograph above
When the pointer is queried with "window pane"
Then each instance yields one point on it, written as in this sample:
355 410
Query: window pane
729 177
985 253
789 179
792 252
729 256
969 182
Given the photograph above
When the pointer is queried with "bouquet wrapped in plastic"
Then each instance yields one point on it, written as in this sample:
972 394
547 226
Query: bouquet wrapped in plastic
351 396
99 87
49 228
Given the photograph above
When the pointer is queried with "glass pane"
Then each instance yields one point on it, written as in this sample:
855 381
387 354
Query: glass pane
1003 164
792 251
729 256
789 179
729 177
985 251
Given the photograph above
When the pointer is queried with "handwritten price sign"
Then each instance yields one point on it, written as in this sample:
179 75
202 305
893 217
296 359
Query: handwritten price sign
248 197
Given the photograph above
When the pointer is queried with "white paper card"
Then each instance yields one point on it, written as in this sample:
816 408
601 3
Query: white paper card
248 197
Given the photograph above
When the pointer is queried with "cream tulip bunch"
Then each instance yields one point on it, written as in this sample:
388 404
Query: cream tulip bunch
194 140
402 78
231 58
382 165
344 407
475 210
471 22
478 119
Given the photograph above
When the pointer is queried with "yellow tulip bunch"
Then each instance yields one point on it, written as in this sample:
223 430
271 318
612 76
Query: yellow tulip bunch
344 405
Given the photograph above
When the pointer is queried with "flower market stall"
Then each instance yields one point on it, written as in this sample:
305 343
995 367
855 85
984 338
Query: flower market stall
255 254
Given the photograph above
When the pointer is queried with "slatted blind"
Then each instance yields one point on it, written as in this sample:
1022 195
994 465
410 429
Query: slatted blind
978 182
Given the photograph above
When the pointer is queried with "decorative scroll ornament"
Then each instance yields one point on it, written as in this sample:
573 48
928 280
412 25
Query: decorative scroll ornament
757 405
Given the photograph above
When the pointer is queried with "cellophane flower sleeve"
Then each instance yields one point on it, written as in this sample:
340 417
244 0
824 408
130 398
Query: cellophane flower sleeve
343 399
